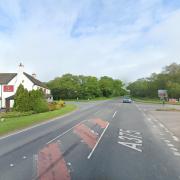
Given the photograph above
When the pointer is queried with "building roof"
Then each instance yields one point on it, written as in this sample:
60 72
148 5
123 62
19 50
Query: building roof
6 77
35 81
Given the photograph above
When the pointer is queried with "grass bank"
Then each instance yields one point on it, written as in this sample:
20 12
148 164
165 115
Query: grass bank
94 99
152 101
148 100
17 123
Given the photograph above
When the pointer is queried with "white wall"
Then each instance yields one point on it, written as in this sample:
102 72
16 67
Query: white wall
16 81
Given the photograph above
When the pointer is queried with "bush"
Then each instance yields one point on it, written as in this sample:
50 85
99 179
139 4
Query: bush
56 105
30 101
40 105
52 106
61 103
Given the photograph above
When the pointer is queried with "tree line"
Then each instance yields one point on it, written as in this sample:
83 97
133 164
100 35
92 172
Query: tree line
168 79
70 86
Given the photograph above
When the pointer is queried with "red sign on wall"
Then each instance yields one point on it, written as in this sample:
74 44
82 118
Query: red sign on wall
8 88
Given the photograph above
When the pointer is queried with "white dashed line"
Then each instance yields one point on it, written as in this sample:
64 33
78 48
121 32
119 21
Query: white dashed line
24 157
11 165
167 141
170 145
175 139
174 149
176 153
161 125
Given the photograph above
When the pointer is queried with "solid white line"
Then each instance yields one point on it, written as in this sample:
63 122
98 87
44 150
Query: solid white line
114 114
97 142
37 125
64 132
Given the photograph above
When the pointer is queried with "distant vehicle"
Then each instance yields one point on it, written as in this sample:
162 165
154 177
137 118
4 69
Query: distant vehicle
127 100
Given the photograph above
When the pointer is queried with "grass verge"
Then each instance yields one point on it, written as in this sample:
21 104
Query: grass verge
17 123
152 101
94 99
169 110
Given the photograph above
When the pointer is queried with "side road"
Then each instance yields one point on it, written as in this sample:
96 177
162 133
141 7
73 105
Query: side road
170 119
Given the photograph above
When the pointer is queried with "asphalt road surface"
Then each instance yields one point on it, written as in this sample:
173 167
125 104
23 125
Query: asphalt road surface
101 141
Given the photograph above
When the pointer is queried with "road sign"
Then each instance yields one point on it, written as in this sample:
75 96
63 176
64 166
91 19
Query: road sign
162 93
8 88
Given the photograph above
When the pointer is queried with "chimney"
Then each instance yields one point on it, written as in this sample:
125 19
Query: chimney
21 68
34 75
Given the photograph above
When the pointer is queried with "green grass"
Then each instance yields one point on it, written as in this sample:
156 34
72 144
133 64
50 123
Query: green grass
152 101
94 99
148 100
169 109
17 123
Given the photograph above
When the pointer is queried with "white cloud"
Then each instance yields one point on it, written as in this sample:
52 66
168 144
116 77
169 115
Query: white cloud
40 36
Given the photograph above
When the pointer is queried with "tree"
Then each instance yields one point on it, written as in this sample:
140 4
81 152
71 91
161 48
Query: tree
22 100
30 101
168 79
37 101
106 86
71 86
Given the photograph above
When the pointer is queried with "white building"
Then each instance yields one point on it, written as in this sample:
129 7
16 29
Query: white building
9 82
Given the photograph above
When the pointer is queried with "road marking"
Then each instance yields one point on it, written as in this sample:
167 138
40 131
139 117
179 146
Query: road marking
24 157
85 133
97 142
174 149
128 141
176 153
131 145
114 114
175 138
51 164
167 141
11 165
161 125
170 145
65 132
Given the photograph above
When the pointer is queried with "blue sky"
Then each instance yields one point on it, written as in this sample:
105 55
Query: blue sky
125 39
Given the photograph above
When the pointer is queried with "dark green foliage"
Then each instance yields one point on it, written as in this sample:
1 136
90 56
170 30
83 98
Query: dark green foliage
84 87
37 101
168 79
22 100
30 101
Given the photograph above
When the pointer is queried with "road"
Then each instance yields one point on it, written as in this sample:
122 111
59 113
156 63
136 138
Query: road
107 140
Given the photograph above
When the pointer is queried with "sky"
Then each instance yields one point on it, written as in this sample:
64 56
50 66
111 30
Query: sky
124 39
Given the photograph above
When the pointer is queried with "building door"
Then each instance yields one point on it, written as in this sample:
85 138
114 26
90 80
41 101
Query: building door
7 104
